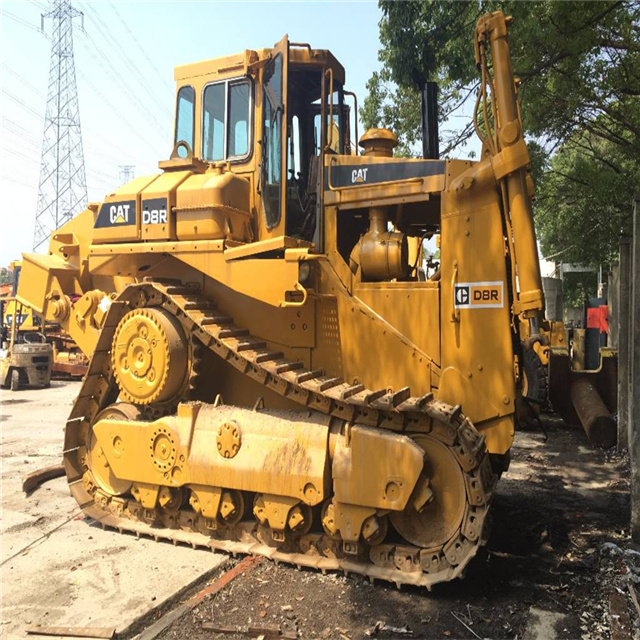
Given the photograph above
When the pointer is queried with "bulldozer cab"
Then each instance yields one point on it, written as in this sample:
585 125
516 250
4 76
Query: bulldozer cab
270 116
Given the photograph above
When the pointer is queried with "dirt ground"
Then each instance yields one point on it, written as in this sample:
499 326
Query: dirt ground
559 548
558 552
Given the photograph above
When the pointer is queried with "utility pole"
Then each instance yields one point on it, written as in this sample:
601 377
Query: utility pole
127 173
634 373
62 188
624 352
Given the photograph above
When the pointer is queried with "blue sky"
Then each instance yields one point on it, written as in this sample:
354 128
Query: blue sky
127 120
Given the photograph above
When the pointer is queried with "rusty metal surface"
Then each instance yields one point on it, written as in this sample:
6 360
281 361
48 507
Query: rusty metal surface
598 423
33 480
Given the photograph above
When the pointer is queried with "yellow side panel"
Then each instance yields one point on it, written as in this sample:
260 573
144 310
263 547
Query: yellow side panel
354 342
477 350
412 308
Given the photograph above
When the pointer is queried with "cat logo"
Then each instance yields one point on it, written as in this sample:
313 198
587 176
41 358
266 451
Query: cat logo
479 295
359 175
116 214
462 295
119 213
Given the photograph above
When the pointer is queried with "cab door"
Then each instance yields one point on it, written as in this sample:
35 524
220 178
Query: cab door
273 165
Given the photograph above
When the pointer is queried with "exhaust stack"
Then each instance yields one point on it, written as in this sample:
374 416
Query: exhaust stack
430 139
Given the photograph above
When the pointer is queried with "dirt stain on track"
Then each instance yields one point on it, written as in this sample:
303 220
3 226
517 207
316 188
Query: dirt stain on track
552 513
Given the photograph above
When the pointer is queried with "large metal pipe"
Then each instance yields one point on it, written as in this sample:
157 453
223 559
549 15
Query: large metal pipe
596 420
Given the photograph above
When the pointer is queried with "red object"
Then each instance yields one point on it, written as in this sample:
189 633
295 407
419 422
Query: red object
598 318
245 566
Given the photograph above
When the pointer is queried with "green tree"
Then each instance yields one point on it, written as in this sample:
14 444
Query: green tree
583 202
579 65
6 276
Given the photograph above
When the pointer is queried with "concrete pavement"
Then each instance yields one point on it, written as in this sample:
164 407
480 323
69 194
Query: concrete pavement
58 568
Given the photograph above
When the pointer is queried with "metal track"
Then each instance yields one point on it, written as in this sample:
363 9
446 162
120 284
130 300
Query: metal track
393 410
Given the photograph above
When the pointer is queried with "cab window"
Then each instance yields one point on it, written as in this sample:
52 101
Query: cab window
225 127
185 117
271 166
239 119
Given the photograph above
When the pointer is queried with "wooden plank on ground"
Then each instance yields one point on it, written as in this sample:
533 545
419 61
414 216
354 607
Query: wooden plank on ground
152 632
72 632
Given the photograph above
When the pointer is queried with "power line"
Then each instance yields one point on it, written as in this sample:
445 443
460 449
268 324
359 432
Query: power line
136 40
124 89
20 77
116 110
95 49
131 64
19 20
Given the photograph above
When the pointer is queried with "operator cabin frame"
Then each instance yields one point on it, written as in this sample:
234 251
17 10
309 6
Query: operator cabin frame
233 110
307 158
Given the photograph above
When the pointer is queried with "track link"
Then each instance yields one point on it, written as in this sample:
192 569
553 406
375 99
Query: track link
385 409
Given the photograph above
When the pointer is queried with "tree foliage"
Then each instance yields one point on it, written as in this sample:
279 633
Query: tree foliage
579 65
6 276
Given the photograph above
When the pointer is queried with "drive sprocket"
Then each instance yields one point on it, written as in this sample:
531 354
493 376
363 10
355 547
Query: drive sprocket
150 356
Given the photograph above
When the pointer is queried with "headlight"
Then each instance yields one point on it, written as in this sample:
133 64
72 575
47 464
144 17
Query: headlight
304 269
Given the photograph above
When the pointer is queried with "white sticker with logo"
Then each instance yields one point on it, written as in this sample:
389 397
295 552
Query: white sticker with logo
479 295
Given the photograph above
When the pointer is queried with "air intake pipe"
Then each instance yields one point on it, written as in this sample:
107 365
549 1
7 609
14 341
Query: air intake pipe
383 253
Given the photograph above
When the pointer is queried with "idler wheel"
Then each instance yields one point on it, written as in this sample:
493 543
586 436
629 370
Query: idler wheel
96 459
441 517
149 356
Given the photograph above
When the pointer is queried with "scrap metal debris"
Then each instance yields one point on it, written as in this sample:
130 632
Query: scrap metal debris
382 626
33 480
268 632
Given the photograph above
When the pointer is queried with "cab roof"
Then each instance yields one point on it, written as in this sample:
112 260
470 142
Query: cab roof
299 54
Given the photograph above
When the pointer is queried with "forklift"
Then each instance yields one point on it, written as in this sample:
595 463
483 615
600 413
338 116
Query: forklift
25 355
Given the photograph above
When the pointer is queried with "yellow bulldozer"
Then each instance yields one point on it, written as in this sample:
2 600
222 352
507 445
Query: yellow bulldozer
269 372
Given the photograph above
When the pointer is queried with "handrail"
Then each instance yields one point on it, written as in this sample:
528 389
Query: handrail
455 313
298 287
355 111
301 45
327 146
